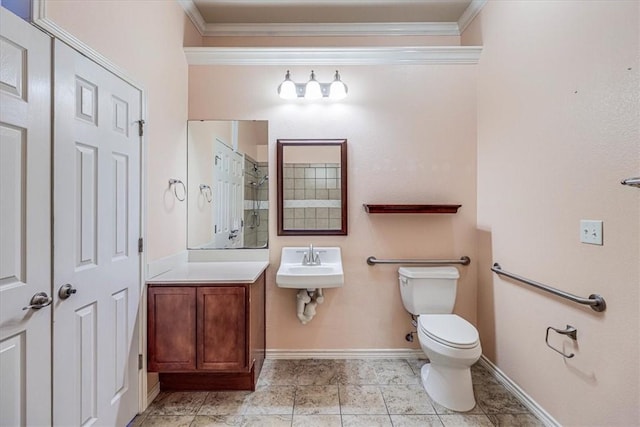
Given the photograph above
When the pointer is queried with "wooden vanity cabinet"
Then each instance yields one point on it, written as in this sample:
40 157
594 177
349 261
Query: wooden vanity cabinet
206 336
171 328
221 342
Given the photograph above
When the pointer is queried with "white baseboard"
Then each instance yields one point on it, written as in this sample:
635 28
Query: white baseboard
402 353
153 393
520 394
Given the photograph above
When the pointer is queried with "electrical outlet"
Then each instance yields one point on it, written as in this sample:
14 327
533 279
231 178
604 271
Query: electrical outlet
591 232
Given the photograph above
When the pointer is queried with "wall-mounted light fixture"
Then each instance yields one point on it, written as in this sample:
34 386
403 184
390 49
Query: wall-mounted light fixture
312 89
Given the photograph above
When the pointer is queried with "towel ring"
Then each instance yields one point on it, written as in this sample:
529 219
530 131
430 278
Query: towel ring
174 181
206 192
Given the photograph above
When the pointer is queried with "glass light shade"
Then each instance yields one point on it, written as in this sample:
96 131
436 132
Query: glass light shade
287 90
312 89
337 90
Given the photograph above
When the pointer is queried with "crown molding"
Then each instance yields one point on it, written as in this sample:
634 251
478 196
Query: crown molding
194 14
334 56
469 14
331 29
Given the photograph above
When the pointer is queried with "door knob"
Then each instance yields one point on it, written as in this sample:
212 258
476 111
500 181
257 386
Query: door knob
38 301
66 291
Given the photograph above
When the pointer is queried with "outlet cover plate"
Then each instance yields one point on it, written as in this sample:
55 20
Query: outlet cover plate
591 232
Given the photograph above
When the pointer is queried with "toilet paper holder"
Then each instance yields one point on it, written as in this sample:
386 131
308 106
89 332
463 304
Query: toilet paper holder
569 331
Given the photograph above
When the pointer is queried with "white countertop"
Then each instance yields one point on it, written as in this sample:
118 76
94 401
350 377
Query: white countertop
212 272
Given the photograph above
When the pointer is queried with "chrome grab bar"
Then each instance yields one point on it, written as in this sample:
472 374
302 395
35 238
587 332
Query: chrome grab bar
465 260
596 301
632 182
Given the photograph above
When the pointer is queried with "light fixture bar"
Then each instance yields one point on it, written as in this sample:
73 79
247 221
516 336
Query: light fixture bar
333 90
301 89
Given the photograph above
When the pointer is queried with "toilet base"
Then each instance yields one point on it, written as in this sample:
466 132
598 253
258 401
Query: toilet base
450 387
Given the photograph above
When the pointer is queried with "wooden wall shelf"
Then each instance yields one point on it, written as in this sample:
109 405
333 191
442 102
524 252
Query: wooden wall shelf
411 209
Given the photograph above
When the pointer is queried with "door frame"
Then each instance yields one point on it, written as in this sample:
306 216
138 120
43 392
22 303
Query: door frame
40 20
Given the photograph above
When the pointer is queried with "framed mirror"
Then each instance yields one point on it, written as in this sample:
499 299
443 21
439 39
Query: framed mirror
227 184
312 187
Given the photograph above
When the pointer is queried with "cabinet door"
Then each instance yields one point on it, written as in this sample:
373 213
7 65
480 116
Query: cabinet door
222 328
257 325
172 328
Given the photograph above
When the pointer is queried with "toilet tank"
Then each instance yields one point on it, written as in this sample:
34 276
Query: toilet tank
428 290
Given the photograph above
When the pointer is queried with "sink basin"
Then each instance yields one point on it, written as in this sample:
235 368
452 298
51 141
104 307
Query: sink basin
293 274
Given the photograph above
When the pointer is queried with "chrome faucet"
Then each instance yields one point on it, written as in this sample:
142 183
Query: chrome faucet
310 257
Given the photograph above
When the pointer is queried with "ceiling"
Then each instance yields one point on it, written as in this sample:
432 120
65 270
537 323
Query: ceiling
329 11
331 17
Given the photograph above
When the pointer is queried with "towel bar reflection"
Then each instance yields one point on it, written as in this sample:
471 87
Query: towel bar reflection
465 260
632 182
570 331
596 301
206 192
173 183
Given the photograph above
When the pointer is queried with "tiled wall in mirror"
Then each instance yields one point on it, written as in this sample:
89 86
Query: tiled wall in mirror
312 195
312 187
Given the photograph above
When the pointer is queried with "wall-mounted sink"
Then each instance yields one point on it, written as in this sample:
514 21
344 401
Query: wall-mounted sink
310 268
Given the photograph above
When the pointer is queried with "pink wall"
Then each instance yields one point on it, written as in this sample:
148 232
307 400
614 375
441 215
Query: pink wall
146 39
250 135
411 139
200 137
555 99
558 128
192 36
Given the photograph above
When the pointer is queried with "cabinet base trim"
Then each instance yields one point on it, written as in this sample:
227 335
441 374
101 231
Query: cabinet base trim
207 381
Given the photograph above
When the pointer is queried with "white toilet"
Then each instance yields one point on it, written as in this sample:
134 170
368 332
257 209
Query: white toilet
450 342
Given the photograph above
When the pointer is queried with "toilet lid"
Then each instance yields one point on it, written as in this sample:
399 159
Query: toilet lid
449 329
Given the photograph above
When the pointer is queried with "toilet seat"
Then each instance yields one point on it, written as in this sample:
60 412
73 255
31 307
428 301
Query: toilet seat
449 329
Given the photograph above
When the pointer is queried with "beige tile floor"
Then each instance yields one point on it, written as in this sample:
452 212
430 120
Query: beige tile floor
341 393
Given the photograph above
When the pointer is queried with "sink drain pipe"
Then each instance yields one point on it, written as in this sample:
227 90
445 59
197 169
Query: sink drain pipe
307 300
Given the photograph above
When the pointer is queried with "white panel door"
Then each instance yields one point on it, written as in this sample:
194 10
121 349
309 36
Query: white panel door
228 196
237 199
25 223
96 228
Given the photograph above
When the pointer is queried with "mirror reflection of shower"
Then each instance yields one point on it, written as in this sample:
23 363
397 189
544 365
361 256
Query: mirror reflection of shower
261 181
226 155
256 202
255 213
